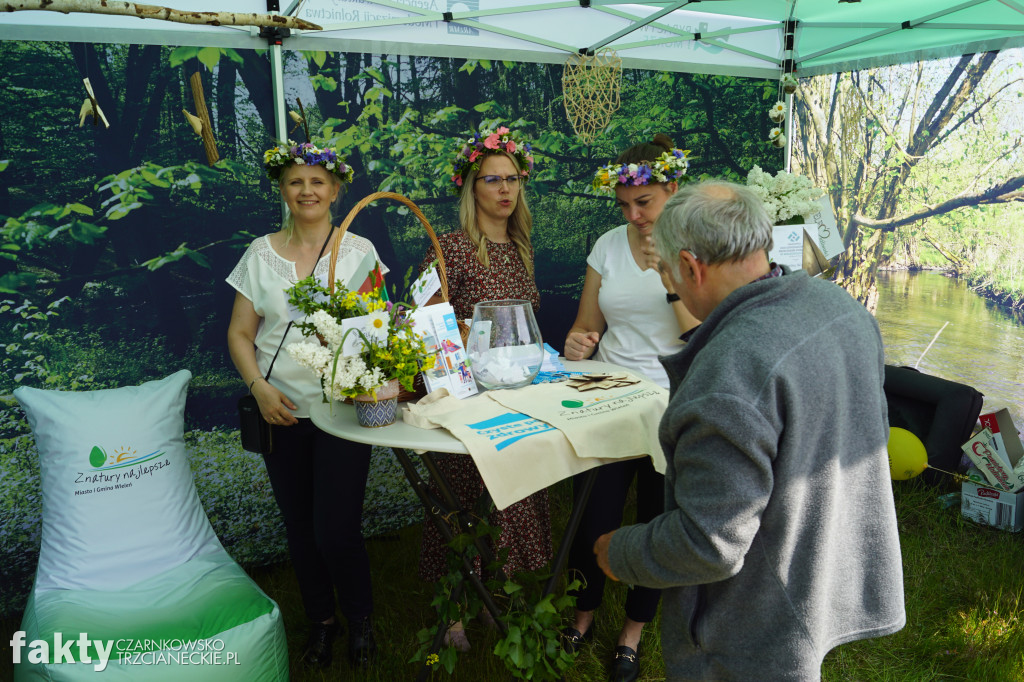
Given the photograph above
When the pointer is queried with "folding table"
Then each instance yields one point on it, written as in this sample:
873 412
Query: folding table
340 420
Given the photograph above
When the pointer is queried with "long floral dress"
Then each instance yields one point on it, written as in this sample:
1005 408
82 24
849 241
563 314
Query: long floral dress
526 525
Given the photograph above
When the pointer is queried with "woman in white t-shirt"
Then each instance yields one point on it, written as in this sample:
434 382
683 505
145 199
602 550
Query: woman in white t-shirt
318 480
629 315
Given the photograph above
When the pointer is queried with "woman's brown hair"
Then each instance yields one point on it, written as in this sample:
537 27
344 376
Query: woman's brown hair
647 151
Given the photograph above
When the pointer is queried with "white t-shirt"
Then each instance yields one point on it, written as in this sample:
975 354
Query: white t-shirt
262 276
641 323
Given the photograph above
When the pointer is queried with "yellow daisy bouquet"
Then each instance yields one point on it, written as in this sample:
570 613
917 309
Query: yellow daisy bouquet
357 341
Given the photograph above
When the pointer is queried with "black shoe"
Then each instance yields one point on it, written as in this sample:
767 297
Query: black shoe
626 665
362 648
574 639
318 652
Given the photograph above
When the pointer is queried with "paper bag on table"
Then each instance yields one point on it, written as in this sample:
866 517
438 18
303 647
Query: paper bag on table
618 423
516 454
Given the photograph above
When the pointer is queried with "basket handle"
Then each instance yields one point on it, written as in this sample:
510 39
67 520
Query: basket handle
369 198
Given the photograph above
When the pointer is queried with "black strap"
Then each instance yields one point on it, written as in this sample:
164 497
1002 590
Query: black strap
291 322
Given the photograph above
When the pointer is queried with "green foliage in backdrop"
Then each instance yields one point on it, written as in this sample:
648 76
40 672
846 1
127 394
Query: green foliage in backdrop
115 242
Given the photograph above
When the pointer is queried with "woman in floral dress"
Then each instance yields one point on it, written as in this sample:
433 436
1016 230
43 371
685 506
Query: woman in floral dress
490 258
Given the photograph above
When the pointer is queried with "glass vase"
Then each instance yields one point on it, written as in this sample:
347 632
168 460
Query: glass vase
504 346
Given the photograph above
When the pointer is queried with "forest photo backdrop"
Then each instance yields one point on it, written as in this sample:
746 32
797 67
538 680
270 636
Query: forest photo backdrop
116 241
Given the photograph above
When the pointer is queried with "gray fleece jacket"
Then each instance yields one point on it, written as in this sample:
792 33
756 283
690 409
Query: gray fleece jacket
779 538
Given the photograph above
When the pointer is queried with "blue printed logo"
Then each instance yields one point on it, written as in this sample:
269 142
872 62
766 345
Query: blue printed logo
508 428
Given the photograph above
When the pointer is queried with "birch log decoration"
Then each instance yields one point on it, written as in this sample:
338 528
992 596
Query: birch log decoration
209 143
133 9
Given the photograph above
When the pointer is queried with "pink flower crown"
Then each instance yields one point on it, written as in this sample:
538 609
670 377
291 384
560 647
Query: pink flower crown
490 142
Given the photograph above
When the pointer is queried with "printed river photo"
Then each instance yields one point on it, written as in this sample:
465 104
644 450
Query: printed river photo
982 346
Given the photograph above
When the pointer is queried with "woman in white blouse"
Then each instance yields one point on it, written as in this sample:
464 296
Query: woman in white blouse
318 480
629 314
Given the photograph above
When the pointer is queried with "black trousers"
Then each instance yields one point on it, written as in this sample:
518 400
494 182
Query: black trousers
319 483
602 514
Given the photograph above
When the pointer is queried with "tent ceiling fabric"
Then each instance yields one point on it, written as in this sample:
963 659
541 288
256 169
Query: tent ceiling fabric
736 37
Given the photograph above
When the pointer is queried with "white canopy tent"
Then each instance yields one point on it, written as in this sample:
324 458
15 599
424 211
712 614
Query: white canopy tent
736 37
755 38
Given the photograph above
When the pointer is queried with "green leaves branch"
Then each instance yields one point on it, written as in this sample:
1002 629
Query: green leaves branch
533 648
46 223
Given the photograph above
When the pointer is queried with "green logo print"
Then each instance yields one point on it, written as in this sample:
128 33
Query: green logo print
97 457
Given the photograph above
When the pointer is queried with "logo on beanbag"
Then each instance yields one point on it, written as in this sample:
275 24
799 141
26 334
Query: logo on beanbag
124 456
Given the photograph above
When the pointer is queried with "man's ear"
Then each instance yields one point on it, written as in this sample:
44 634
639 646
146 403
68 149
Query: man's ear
692 268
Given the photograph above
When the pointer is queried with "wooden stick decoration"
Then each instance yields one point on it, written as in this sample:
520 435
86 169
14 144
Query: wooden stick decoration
90 107
201 123
134 9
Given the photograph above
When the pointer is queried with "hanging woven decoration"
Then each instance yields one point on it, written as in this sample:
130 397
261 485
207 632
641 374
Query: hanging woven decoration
590 91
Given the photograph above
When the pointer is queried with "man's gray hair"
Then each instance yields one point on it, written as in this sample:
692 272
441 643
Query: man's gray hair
715 220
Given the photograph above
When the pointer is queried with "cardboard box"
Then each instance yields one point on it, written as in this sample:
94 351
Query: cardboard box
1005 439
991 507
810 246
982 455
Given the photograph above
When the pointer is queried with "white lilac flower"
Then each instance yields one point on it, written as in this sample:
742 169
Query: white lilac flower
327 327
312 356
785 195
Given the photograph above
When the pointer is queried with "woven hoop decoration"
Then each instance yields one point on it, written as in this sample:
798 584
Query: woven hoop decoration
590 92
336 245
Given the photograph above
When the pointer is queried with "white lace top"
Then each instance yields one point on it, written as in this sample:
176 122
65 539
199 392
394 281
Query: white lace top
262 276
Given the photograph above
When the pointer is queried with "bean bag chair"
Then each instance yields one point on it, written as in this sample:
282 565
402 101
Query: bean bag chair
129 566
940 412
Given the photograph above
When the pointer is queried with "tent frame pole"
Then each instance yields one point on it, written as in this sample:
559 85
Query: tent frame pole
788 152
275 36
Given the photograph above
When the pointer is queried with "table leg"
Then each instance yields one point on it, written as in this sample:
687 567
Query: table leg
451 503
440 510
437 509
587 484
438 638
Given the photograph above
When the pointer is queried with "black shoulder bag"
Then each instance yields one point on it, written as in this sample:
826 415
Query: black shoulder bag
252 427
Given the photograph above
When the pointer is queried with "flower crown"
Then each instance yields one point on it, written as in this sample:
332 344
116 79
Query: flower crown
490 142
276 159
668 167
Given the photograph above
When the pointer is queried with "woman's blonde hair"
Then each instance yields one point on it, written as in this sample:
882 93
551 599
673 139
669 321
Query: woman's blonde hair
288 221
520 223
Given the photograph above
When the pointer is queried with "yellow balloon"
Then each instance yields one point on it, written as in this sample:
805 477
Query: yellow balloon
907 455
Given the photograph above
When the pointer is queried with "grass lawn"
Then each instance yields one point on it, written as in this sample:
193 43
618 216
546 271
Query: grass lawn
963 588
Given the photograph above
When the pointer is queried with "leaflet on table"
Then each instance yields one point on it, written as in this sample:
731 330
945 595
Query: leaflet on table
451 369
551 362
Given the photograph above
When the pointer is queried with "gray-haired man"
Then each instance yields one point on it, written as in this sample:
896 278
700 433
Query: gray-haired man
778 541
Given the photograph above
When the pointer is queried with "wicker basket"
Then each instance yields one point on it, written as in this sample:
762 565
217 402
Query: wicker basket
336 244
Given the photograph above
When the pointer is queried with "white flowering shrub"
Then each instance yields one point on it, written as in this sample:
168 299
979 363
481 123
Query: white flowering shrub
786 195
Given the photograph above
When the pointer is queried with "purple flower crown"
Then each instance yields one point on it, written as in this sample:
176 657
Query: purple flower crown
670 166
276 159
